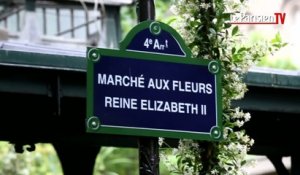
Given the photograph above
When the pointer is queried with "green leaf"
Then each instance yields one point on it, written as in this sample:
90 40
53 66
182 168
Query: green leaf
243 162
171 20
277 38
233 50
242 49
200 28
235 30
212 31
226 16
284 44
227 25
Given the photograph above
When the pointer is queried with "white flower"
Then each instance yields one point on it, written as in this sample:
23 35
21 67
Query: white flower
205 5
239 123
251 142
236 143
174 10
214 171
247 116
161 141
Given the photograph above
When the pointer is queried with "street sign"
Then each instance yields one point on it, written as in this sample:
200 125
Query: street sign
153 87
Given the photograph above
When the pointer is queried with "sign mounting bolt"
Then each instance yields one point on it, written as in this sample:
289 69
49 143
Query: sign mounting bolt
93 123
214 67
155 28
215 133
94 55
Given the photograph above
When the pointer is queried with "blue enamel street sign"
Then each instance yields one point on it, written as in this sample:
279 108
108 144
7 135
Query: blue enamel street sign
152 87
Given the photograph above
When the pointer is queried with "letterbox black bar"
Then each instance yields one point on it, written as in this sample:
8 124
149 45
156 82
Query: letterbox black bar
148 146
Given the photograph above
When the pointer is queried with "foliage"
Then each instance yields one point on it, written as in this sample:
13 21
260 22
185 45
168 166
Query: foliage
277 43
286 63
114 161
120 161
42 161
204 26
110 161
129 17
280 60
163 12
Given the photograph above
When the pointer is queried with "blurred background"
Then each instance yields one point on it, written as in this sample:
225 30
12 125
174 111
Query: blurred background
74 26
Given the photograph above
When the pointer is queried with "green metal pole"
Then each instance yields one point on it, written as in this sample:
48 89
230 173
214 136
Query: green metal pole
148 146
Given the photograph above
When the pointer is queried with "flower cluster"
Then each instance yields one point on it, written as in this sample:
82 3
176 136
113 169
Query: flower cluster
203 25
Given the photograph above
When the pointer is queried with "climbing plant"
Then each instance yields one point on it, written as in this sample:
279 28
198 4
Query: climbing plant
204 24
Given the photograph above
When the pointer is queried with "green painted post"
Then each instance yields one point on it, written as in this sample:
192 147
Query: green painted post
148 146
